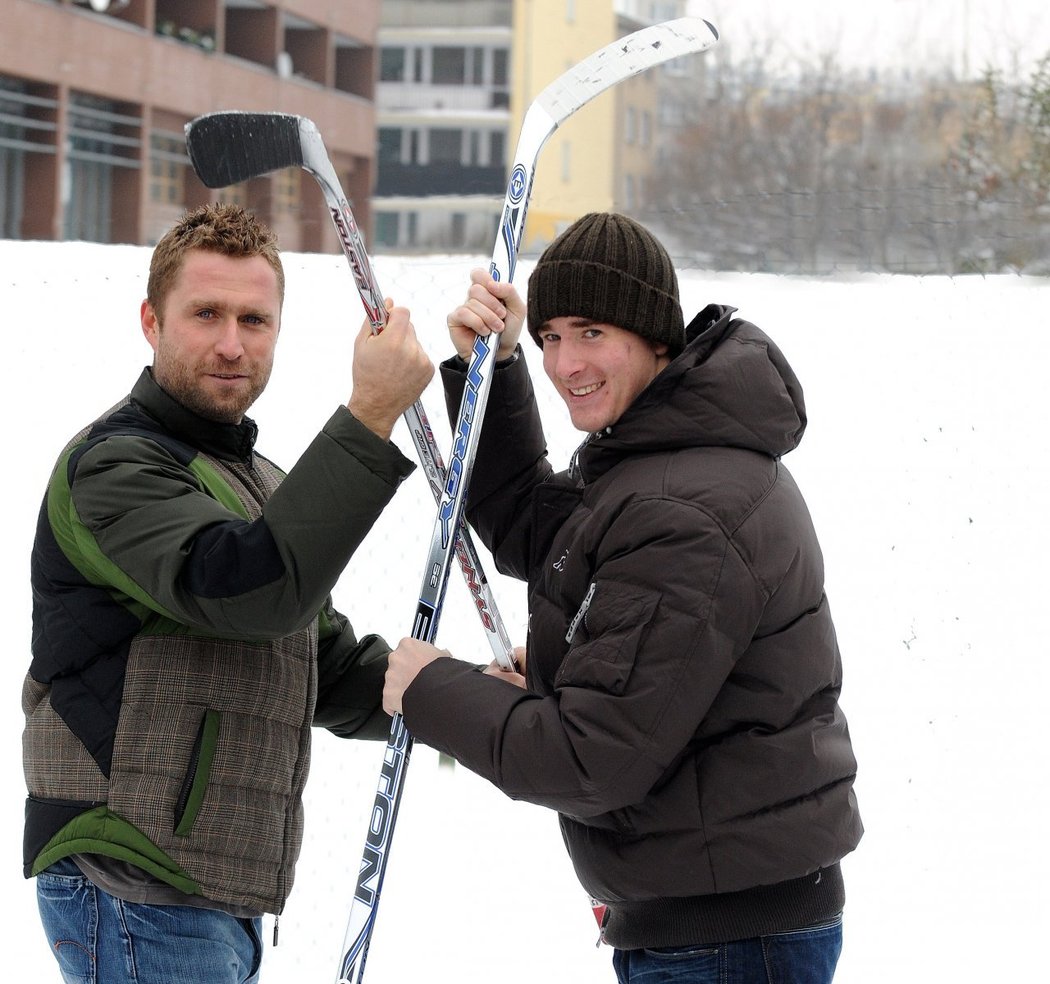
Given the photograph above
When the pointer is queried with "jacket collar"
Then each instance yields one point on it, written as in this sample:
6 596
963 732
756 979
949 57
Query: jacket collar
232 442
730 387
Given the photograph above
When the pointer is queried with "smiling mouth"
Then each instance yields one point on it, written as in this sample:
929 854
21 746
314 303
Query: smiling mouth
586 390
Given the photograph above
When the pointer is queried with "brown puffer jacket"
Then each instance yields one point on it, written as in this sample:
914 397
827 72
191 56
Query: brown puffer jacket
684 674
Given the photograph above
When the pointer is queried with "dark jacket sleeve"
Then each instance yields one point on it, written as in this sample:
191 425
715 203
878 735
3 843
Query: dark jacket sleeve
511 460
350 680
137 514
642 670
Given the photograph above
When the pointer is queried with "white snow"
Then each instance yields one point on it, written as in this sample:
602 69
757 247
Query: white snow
925 466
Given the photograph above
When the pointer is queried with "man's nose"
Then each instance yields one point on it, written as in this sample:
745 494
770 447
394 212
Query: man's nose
568 361
228 344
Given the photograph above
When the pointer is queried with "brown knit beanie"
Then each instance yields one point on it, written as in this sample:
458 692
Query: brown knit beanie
609 269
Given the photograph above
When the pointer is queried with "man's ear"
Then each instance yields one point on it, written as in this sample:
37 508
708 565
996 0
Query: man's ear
150 324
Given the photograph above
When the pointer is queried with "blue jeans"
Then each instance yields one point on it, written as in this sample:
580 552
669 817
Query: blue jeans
805 956
99 939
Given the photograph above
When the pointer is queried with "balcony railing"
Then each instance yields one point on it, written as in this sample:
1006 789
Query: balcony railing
421 180
465 13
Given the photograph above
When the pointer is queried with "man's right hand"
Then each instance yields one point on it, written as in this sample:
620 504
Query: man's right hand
390 371
491 306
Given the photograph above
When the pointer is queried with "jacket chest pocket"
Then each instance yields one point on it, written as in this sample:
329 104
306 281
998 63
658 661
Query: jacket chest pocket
605 636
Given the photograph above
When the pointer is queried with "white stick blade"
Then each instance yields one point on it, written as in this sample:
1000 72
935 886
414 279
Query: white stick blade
623 58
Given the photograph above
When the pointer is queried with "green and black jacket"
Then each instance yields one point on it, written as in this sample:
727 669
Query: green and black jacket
184 642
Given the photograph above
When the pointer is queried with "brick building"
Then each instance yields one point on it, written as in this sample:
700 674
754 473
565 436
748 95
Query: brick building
94 97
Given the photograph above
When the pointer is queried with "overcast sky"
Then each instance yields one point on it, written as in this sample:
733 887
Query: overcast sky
968 34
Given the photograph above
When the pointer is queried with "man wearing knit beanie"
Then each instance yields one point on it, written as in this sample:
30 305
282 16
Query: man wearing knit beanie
610 269
679 704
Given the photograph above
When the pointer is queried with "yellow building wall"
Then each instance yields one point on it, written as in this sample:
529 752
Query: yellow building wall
584 165
576 171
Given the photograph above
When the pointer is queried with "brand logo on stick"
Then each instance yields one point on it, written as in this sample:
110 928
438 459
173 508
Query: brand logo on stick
457 467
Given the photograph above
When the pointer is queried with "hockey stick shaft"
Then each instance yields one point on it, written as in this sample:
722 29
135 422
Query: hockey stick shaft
229 147
418 425
617 61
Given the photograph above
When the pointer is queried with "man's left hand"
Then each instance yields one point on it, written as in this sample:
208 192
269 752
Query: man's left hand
404 663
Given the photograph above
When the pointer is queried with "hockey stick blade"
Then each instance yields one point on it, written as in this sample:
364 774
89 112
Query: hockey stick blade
623 58
620 60
230 147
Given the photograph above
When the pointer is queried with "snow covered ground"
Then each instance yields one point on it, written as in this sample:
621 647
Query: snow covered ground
925 466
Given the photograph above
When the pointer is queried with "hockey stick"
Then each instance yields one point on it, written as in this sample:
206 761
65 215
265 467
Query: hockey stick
229 147
620 60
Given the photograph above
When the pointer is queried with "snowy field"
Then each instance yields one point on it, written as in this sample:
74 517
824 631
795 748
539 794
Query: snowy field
925 466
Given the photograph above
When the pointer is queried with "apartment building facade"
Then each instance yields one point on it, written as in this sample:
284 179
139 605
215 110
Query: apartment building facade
455 80
94 96
443 118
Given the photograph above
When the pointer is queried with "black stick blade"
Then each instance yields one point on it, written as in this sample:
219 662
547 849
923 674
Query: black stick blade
227 148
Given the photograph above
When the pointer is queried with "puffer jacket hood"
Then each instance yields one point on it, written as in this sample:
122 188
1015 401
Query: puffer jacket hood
730 387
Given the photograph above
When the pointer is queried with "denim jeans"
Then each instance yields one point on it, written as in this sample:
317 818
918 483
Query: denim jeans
804 956
99 939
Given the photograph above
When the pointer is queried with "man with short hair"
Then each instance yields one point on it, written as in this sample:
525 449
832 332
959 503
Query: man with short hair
184 638
681 711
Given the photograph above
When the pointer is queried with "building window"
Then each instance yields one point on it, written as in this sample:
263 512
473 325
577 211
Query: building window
89 207
167 160
102 141
386 229
446 146
500 61
448 66
286 190
12 192
459 230
236 194
497 149
477 66
13 142
392 65
389 150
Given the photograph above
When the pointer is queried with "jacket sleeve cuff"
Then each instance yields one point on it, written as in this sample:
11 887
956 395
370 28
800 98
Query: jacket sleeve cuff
382 458
453 708
454 377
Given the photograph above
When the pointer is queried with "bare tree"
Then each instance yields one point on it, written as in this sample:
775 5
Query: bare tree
820 171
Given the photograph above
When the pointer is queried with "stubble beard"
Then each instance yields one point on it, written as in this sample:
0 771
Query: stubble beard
184 384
